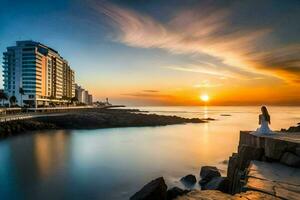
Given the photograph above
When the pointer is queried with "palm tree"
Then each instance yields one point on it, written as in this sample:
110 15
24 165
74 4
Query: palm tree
74 99
22 92
3 96
12 100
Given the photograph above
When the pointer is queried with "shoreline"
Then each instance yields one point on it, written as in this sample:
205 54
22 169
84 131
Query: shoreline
265 167
90 119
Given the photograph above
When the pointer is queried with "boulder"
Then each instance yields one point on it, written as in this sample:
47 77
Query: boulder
217 183
207 173
175 192
290 159
156 189
188 180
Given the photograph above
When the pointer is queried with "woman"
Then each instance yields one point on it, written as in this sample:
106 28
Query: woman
264 121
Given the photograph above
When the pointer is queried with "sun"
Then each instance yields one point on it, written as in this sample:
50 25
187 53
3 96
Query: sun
204 97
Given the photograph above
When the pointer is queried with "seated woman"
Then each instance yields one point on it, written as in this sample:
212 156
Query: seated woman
264 121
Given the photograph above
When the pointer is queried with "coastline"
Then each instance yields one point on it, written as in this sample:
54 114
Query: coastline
265 167
91 119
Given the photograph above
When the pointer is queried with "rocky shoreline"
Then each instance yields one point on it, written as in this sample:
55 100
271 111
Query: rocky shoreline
91 119
265 167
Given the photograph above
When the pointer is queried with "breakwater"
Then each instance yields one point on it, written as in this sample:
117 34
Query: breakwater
90 119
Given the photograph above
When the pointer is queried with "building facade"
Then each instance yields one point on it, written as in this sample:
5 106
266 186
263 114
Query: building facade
83 96
37 75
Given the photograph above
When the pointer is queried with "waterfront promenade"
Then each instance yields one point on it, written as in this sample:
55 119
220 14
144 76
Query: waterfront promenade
12 114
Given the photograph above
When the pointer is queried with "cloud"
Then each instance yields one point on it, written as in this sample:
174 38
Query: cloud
151 91
147 95
202 70
207 84
208 32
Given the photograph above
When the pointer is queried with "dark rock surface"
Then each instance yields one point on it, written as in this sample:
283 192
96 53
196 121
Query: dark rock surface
188 179
155 190
175 192
290 159
207 173
293 128
217 183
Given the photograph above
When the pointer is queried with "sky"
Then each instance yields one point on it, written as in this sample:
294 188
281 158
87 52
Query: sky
169 52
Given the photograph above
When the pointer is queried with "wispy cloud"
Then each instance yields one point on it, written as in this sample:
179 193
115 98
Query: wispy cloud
205 32
207 84
151 91
147 95
199 69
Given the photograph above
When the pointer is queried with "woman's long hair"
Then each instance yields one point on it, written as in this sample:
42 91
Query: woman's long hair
265 113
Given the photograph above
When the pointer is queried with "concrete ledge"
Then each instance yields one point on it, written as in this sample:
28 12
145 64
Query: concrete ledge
274 179
274 145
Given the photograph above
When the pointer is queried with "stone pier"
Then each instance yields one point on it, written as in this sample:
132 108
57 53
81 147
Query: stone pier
269 164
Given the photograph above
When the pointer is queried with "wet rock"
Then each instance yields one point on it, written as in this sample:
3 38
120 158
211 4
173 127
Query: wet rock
189 179
224 162
290 159
156 189
217 183
175 192
207 173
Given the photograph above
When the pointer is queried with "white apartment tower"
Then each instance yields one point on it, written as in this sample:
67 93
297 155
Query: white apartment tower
40 71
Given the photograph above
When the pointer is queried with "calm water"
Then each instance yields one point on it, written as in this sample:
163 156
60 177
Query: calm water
115 163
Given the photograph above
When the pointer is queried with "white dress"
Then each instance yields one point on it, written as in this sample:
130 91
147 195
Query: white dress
264 127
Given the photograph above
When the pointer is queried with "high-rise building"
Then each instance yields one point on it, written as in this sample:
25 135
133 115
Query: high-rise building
90 101
37 75
83 96
79 93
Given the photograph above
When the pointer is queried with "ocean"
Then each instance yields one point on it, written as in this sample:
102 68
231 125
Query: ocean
114 163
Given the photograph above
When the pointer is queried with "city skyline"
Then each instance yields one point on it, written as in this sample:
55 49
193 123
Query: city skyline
141 53
36 75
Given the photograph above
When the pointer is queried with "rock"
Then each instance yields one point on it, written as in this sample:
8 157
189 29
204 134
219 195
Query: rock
247 153
156 189
175 192
224 162
290 159
217 183
297 151
207 173
189 180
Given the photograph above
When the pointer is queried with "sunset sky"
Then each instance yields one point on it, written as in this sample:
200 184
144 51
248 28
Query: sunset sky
169 52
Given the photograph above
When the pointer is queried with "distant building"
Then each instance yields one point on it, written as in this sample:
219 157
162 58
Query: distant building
90 99
40 71
83 95
86 97
79 93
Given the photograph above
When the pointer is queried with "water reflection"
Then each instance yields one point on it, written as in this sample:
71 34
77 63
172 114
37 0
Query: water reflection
114 163
51 151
